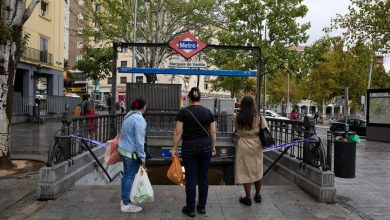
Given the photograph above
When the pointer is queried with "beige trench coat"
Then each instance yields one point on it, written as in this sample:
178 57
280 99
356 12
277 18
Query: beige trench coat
249 153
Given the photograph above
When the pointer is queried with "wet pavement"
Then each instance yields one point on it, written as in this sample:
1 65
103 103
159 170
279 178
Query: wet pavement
367 196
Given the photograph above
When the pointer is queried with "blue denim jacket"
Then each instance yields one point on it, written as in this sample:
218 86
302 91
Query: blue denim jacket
133 135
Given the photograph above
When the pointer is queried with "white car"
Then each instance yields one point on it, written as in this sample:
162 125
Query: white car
272 114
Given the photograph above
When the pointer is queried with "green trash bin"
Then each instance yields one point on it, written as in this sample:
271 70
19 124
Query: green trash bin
344 159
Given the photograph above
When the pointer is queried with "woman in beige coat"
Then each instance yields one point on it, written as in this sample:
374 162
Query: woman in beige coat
249 152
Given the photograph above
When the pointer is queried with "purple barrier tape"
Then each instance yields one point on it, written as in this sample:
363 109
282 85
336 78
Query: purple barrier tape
289 144
98 143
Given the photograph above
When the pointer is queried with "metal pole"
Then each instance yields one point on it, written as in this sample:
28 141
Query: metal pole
265 93
370 73
114 76
288 92
346 109
113 91
134 62
258 79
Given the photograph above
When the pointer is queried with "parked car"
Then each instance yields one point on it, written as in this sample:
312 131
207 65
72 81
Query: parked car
100 106
272 114
356 125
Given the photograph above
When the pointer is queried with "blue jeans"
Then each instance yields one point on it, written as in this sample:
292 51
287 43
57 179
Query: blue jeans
130 168
196 168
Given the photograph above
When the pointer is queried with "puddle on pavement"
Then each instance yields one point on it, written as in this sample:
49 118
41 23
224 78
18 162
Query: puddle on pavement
22 166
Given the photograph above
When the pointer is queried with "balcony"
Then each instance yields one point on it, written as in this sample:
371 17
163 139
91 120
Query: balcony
38 56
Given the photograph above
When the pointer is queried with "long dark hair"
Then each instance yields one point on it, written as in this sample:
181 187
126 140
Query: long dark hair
247 113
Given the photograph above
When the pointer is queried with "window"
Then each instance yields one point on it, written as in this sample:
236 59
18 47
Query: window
44 9
206 85
79 44
123 63
43 47
81 2
109 80
123 80
80 16
124 49
79 57
139 79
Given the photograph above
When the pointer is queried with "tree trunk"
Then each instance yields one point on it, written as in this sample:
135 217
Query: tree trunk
7 63
13 15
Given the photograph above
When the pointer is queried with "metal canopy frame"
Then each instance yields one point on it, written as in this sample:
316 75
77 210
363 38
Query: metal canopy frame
209 46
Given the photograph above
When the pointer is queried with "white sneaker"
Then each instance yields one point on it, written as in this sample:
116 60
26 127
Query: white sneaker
131 208
121 203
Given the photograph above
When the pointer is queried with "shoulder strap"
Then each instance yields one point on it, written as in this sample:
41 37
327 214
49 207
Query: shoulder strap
197 121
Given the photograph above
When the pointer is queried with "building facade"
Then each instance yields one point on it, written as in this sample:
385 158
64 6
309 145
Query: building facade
40 70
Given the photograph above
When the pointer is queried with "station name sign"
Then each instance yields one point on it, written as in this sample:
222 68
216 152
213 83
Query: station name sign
187 64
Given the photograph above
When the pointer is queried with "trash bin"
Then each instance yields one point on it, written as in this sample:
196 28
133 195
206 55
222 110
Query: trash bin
344 159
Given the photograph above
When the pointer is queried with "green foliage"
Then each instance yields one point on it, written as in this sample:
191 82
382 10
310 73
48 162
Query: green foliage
157 22
237 86
96 62
332 68
368 21
277 89
244 25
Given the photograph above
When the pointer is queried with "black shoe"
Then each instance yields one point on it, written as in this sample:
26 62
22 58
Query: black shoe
201 209
246 201
257 198
188 211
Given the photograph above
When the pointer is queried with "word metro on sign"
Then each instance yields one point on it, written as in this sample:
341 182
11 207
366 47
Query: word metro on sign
187 45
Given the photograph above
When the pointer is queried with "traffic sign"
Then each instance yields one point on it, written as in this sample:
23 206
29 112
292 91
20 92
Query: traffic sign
187 45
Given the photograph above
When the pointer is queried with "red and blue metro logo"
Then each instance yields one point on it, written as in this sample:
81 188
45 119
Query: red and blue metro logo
187 45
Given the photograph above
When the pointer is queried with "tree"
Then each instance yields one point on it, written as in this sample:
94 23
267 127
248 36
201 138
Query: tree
244 24
13 16
237 86
157 22
367 21
277 89
332 68
96 63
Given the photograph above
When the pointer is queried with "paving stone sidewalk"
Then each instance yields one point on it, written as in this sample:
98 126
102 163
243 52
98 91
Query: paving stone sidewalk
102 202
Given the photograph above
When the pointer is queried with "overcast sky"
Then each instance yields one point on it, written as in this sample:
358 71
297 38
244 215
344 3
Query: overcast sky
319 15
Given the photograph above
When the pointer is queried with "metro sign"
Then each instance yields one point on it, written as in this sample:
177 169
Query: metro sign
187 45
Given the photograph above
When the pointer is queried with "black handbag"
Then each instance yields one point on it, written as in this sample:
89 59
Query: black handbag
265 136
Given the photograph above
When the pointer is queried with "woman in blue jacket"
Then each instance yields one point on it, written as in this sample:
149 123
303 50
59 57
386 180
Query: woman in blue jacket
131 149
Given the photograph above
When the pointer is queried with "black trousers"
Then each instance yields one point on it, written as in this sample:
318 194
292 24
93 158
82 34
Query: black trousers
196 172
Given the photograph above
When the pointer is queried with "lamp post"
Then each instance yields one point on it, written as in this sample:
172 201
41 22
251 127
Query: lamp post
288 92
134 62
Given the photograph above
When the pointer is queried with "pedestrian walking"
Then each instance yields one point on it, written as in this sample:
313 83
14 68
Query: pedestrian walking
195 125
294 115
131 150
249 152
88 110
316 117
108 103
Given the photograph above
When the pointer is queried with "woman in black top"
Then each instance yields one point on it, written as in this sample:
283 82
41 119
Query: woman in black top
196 126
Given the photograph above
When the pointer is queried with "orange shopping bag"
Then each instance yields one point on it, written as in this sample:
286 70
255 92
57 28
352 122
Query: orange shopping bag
112 155
175 173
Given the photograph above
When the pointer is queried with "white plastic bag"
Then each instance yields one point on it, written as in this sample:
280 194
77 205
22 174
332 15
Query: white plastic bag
142 190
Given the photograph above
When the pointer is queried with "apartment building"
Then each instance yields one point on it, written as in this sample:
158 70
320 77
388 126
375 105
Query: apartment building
40 70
